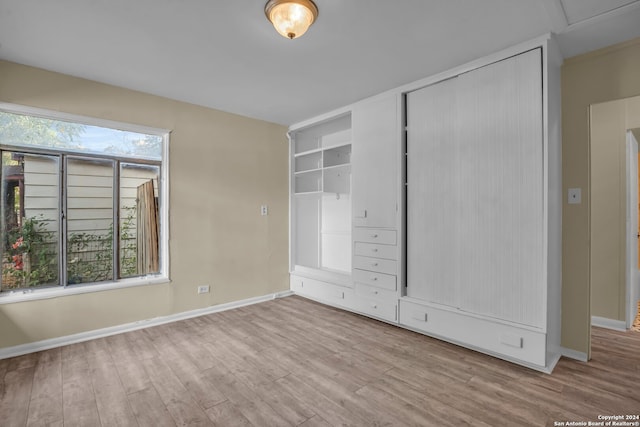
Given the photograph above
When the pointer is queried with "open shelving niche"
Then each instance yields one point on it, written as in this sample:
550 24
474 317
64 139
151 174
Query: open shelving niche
321 199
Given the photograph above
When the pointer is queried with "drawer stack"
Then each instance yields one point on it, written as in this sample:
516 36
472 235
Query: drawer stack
375 266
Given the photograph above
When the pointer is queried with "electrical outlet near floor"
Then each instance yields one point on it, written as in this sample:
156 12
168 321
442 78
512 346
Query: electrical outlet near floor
204 289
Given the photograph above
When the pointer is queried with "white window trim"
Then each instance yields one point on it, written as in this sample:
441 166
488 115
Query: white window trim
20 295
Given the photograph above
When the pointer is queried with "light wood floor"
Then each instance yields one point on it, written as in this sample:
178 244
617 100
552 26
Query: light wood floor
294 362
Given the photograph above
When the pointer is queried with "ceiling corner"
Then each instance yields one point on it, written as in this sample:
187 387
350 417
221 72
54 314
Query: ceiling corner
557 15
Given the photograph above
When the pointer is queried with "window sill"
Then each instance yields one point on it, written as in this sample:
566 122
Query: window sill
57 292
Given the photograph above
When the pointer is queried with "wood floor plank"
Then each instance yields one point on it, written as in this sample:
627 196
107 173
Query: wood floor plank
111 398
73 352
440 387
234 362
198 353
141 344
16 395
78 398
149 409
424 399
253 356
403 413
285 404
617 383
200 385
21 362
96 345
129 368
327 408
166 344
226 414
315 421
244 398
179 403
4 363
50 356
45 407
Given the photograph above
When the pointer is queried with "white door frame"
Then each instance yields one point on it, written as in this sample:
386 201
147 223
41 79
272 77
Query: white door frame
632 272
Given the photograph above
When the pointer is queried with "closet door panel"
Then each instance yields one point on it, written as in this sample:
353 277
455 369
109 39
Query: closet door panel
374 163
500 143
433 188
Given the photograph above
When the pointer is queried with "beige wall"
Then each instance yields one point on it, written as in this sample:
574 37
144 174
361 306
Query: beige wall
222 168
596 77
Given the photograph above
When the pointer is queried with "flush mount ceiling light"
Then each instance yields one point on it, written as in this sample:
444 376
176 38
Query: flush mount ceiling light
291 18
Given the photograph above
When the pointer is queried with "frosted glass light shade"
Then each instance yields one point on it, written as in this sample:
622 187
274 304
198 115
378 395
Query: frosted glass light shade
291 18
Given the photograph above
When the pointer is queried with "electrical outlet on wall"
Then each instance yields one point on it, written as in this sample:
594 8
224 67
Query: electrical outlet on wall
264 210
204 289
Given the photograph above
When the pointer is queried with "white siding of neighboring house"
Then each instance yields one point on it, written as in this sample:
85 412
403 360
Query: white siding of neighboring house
89 196
41 186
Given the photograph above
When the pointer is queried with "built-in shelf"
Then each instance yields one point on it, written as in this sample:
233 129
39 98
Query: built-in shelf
321 202
335 156
308 172
337 167
308 161
308 181
324 169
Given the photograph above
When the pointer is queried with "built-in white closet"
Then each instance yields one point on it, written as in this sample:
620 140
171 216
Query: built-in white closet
476 206
454 206
474 191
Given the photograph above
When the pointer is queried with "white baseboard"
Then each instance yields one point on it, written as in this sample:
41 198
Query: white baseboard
47 344
552 362
603 322
574 354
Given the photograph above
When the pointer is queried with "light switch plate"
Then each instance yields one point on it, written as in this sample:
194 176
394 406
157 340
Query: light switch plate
574 196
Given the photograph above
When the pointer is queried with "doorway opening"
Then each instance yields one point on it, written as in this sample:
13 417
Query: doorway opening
614 213
636 323
632 294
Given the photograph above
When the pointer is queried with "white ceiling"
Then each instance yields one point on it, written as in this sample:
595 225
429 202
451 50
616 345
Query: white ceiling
580 10
226 55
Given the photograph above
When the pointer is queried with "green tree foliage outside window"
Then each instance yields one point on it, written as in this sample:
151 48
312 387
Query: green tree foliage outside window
22 130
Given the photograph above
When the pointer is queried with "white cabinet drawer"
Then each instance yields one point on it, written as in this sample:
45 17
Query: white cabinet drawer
386 266
386 310
374 235
508 341
380 280
366 291
376 250
322 291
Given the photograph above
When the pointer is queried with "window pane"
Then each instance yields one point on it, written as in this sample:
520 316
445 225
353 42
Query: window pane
19 130
138 220
89 220
30 220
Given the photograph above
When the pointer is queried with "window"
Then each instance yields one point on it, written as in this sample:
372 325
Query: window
81 204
